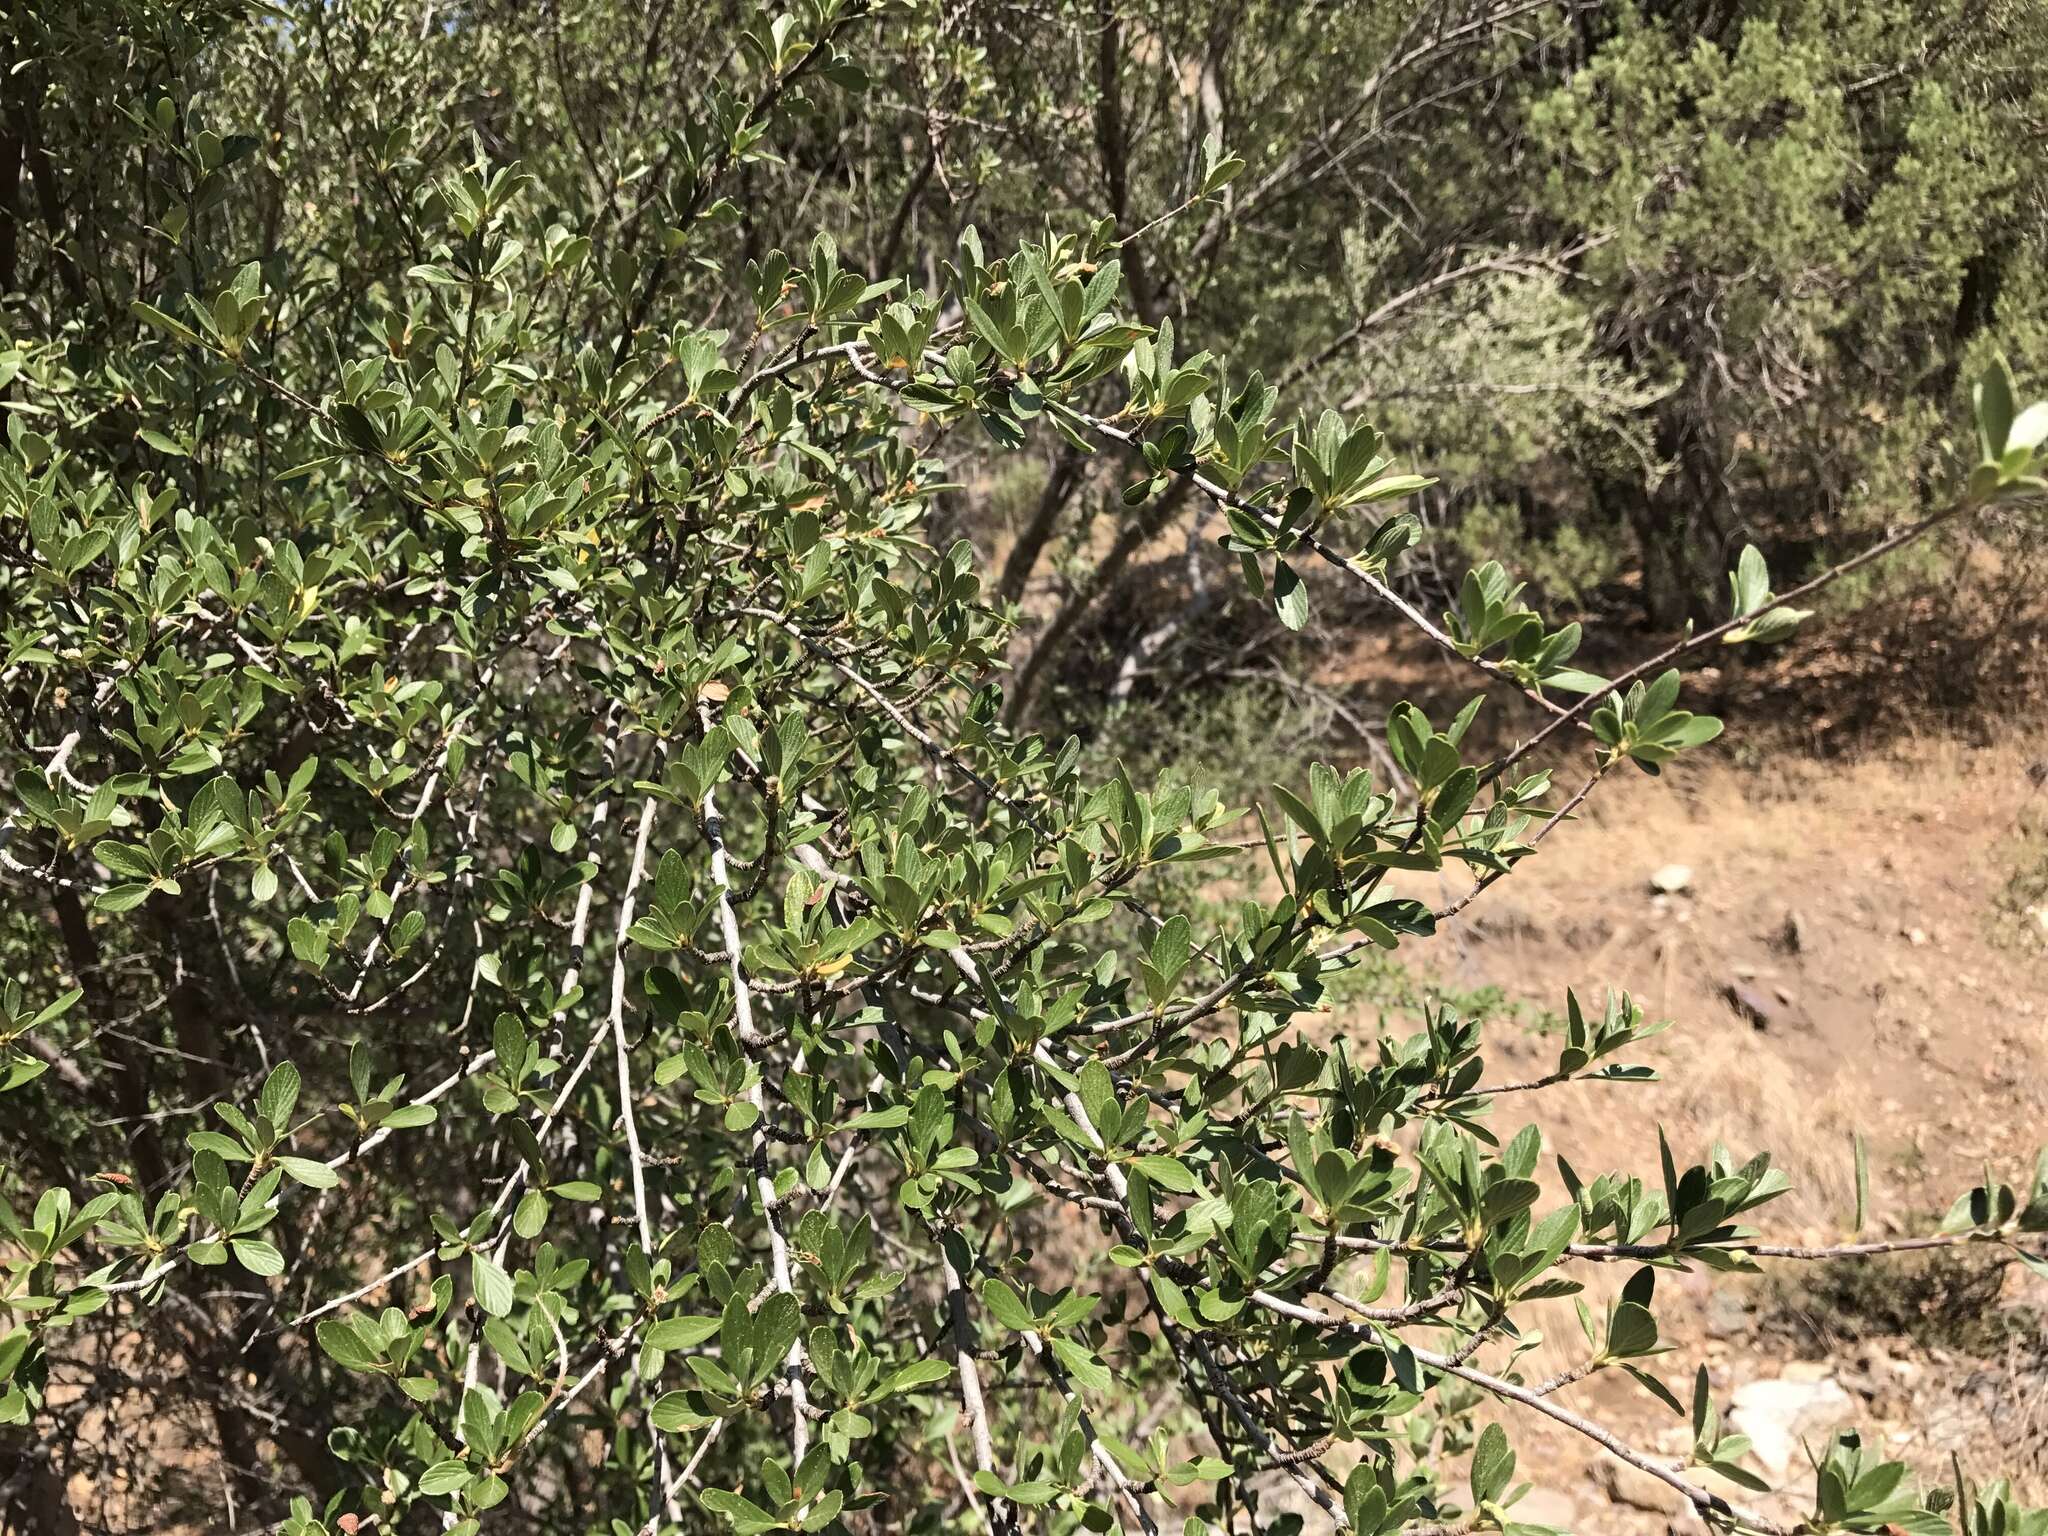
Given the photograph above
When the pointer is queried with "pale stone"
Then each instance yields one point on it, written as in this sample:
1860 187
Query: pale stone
1672 879
1780 1413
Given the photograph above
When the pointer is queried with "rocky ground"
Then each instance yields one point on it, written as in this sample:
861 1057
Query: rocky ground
1844 946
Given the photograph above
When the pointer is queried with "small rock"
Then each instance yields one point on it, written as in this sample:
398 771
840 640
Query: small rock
1672 879
1791 936
1631 1489
1917 937
1752 1004
2040 916
1727 1315
1779 1414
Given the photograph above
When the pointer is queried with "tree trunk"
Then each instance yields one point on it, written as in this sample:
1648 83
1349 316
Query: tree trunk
1135 534
1060 483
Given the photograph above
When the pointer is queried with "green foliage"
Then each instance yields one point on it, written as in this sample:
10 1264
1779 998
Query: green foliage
534 862
1943 1300
1834 243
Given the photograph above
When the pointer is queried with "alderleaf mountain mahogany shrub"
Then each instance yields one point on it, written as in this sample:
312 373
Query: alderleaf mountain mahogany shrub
548 997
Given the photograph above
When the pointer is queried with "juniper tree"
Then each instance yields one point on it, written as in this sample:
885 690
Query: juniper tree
549 996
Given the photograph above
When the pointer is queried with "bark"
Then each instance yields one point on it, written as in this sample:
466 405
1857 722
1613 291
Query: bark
1135 534
10 204
1060 484
899 224
1112 142
131 1067
24 131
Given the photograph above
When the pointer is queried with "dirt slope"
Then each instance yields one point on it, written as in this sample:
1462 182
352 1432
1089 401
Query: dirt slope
1847 951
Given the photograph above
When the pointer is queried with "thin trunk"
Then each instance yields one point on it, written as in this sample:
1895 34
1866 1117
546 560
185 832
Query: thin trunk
1113 145
131 1067
10 203
892 243
1135 534
24 124
1060 482
193 1013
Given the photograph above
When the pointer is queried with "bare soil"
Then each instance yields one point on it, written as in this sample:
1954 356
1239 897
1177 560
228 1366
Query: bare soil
1847 953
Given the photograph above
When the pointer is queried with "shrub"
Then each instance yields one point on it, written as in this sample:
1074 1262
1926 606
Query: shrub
550 997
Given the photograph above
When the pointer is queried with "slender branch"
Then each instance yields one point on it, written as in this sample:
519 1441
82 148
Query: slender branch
1707 1503
973 1406
1562 814
1692 642
795 1363
1636 1253
1429 287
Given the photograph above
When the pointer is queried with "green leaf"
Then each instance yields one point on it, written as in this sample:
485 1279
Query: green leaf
747 1517
530 1215
1007 1307
1030 1494
884 1119
919 1373
444 1477
1167 1172
257 1257
776 1325
306 1171
491 1286
2029 429
1993 396
672 1412
1290 596
280 1095
1088 1372
221 1146
1631 1332
151 315
681 1332
343 1344
1492 1465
